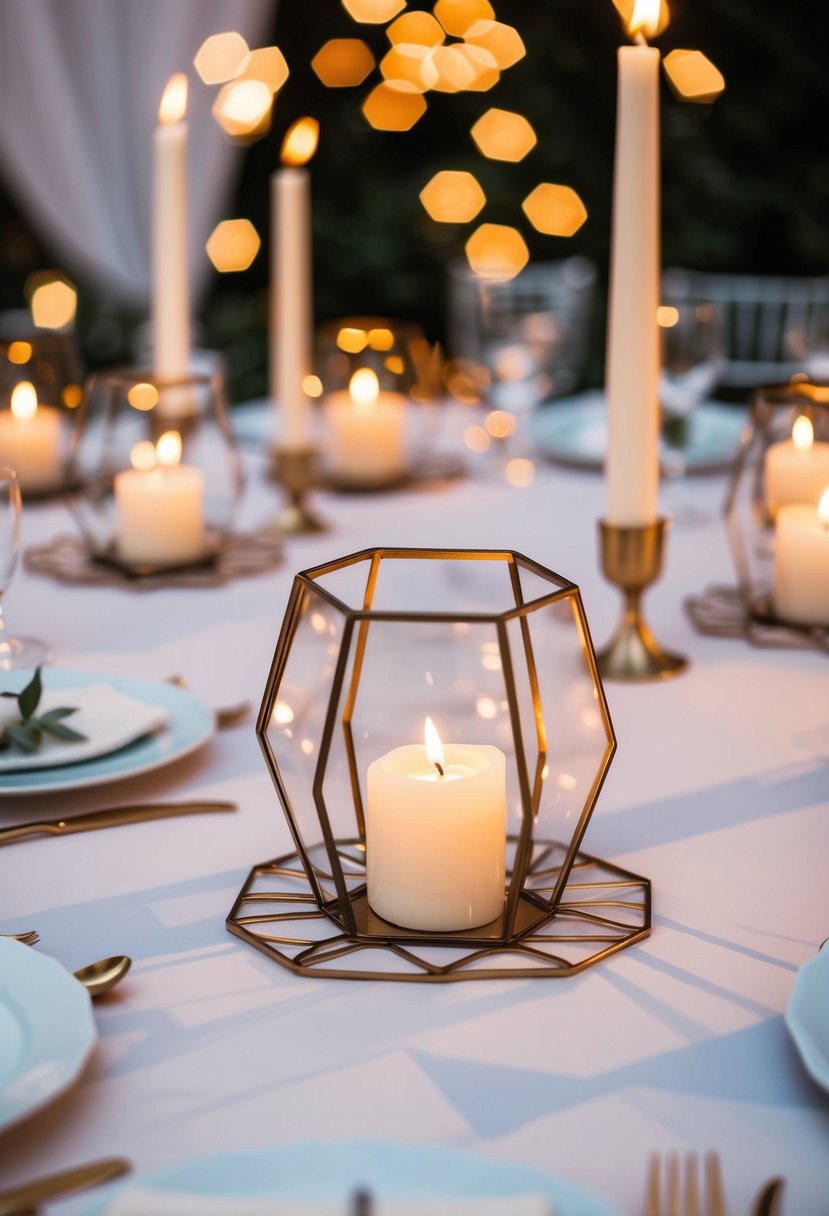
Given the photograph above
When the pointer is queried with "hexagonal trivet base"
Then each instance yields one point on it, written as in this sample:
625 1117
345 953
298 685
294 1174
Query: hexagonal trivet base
603 910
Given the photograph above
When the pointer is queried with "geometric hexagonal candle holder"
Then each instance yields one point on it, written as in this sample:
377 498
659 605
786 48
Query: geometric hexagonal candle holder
455 856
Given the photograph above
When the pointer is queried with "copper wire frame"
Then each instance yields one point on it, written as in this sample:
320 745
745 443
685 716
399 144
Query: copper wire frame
527 909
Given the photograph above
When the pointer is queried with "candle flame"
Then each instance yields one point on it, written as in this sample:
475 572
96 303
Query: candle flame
803 434
645 17
173 100
24 400
300 142
168 449
823 508
142 456
434 747
364 387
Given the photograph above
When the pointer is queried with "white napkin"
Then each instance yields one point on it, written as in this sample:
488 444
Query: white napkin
109 719
136 1202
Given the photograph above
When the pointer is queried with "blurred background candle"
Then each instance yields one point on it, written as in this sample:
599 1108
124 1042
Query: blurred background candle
30 440
436 835
796 469
632 341
291 306
801 563
170 295
363 438
159 506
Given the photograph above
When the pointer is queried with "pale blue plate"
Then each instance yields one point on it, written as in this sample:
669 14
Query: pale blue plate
321 1170
46 1030
807 1016
189 727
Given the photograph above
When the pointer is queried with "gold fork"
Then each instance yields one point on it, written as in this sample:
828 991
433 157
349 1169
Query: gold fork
682 1193
28 939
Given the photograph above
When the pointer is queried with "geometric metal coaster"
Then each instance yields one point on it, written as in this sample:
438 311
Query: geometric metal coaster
603 910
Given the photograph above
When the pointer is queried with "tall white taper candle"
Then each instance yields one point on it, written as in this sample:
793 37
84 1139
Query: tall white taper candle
290 334
170 294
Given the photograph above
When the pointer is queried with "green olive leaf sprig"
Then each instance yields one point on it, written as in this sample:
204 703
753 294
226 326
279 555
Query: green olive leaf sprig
27 734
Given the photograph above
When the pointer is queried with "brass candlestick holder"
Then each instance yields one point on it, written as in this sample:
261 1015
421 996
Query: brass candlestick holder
295 471
632 561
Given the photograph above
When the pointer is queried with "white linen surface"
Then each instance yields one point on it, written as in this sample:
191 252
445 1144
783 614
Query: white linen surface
139 1202
108 717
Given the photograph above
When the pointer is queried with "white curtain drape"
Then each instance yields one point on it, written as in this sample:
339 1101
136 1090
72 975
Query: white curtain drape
80 85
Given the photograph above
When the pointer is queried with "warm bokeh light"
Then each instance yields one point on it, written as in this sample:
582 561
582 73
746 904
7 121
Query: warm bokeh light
803 433
300 142
173 105
693 76
54 304
502 41
268 65
453 196
466 380
232 245
504 135
282 713
496 251
476 439
364 387
24 400
486 72
500 424
520 472
667 316
352 340
450 71
393 107
168 449
312 386
555 210
380 338
143 455
457 16
243 108
72 396
373 12
19 352
421 29
143 396
407 64
625 9
394 364
823 508
343 62
221 57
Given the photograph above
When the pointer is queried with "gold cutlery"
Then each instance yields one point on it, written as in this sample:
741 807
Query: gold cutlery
67 1182
113 817
102 976
683 1192
30 938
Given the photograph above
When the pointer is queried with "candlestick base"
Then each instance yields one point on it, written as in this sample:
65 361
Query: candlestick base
632 560
294 470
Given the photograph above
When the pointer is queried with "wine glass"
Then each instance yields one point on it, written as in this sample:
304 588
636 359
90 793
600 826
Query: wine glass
14 652
691 365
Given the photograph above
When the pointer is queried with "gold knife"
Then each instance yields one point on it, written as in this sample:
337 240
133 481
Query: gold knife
65 1183
111 818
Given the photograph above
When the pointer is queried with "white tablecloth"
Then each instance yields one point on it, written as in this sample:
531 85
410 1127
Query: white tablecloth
719 793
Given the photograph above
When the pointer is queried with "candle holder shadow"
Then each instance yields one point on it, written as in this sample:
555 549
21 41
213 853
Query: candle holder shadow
497 650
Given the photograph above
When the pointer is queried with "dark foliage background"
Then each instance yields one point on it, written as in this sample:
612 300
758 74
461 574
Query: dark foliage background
745 181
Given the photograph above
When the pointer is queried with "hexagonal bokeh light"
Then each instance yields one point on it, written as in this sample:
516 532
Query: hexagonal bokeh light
393 107
373 12
453 196
452 70
54 302
221 57
502 41
232 245
406 63
456 16
268 65
343 62
243 108
504 135
486 70
555 210
693 76
496 251
419 28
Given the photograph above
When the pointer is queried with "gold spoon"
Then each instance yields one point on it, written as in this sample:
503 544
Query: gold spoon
100 977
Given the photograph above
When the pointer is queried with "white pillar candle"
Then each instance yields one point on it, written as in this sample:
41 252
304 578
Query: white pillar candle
632 375
31 440
801 563
170 294
159 507
363 441
436 843
291 300
796 469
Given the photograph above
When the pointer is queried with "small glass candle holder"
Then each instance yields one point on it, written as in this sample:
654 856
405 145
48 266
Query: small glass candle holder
157 475
378 379
40 391
777 507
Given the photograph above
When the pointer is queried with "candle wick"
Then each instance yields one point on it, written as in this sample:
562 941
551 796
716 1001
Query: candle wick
640 39
439 767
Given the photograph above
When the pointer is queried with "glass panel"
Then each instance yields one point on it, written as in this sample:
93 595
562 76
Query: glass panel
443 585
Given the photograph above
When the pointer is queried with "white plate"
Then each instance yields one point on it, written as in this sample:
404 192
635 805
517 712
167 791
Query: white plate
46 1030
311 1170
807 1016
574 431
189 727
